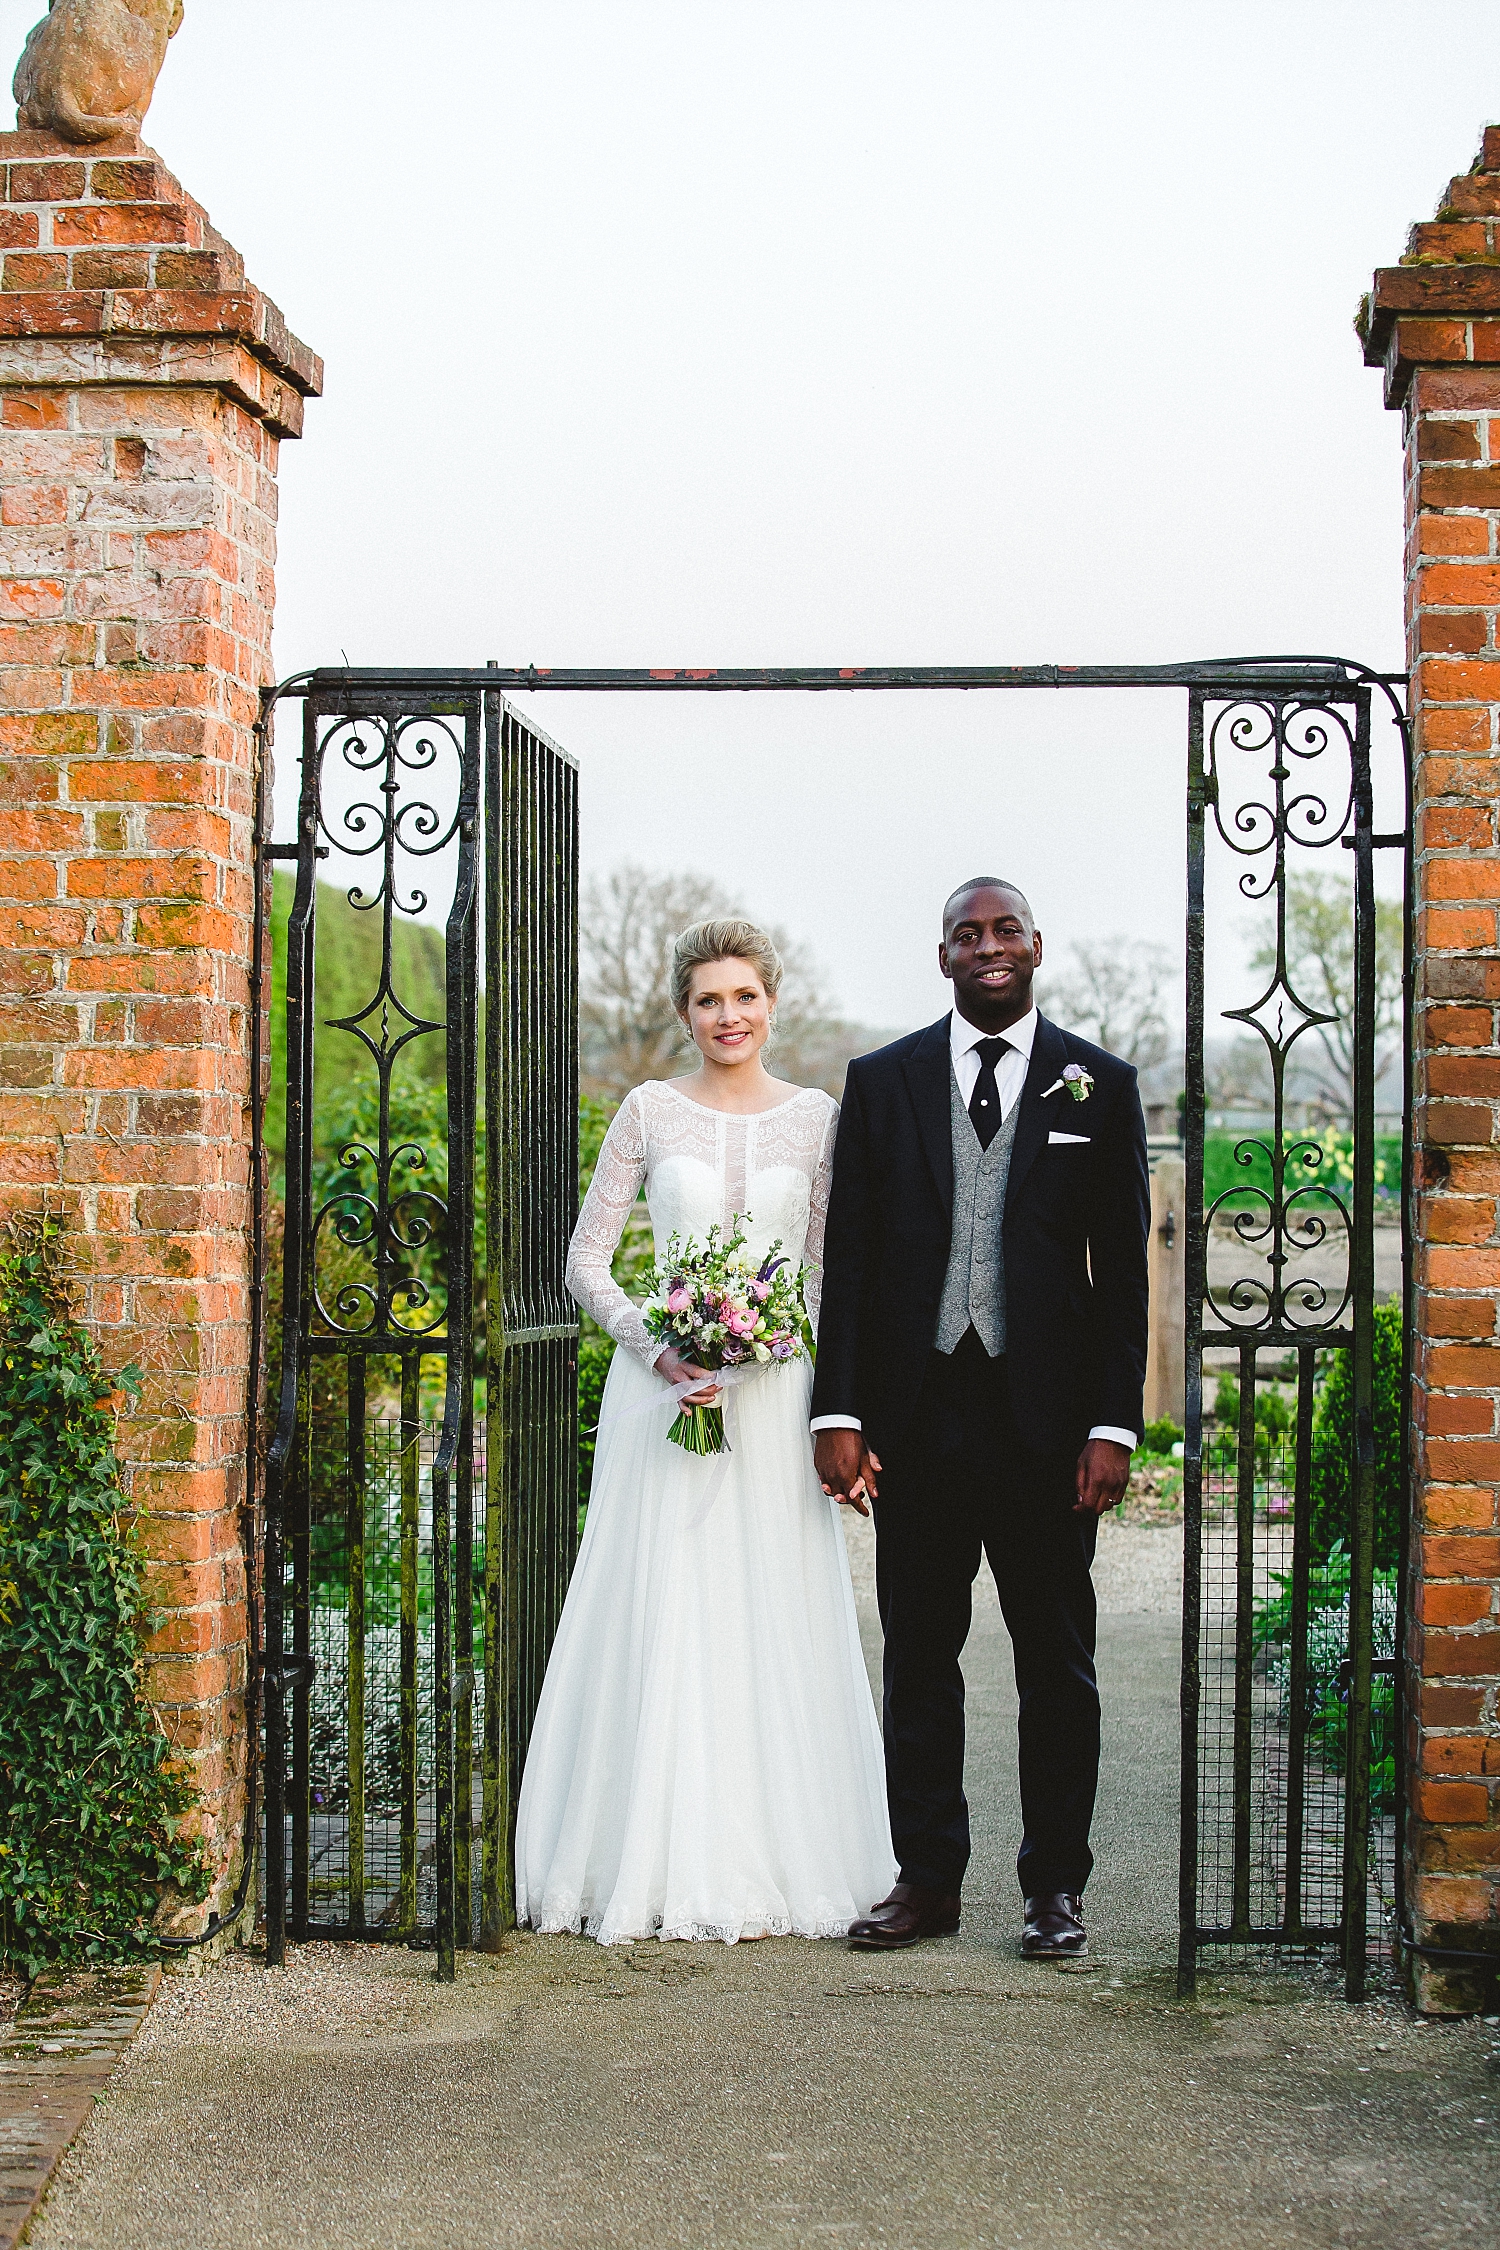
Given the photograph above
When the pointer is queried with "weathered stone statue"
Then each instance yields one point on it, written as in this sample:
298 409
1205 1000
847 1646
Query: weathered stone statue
89 68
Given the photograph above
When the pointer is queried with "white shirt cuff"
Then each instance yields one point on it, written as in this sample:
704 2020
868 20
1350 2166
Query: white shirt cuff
1127 1438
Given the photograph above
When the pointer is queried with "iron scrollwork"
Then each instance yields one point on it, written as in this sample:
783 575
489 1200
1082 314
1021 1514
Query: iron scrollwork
1302 1210
391 1222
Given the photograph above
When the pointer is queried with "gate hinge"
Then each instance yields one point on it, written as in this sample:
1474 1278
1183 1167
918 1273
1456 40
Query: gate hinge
287 1670
1380 1667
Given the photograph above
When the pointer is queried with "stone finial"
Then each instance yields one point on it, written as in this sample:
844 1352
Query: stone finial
89 68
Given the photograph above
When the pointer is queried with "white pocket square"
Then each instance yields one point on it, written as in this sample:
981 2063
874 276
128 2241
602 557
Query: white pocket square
1073 1140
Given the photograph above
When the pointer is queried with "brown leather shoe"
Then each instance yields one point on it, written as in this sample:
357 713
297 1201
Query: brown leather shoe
911 1913
1054 1927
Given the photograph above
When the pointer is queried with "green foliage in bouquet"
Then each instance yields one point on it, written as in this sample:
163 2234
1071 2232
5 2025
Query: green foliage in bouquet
92 1809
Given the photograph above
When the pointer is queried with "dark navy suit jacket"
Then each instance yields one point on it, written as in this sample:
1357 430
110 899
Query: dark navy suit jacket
1077 1214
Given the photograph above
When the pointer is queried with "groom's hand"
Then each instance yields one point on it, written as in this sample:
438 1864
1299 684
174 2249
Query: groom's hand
1103 1473
846 1468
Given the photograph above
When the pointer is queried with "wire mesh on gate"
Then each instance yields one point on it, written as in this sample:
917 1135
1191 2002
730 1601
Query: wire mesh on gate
1287 1790
1271 1823
370 1849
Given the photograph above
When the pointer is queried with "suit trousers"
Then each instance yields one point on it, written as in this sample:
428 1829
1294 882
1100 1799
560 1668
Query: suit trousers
960 1484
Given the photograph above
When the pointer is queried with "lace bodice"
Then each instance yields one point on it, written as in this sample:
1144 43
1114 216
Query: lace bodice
700 1169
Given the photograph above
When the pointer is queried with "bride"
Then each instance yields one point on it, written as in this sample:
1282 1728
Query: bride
706 1760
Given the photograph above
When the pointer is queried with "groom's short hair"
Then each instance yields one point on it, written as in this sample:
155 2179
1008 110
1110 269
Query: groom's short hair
982 883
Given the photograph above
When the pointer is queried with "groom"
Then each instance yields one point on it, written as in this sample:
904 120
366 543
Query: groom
981 1359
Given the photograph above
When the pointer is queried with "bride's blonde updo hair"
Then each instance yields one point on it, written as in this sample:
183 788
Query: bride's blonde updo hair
725 939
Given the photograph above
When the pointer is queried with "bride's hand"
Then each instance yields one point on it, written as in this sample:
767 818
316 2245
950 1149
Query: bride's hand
674 1369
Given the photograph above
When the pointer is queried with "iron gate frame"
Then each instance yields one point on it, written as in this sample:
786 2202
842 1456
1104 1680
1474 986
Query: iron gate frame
1286 683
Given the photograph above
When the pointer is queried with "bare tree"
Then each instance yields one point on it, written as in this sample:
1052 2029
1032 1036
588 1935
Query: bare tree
626 927
1320 966
627 1028
1113 992
1237 1072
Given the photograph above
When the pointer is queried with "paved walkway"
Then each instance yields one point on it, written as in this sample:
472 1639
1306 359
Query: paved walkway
784 2093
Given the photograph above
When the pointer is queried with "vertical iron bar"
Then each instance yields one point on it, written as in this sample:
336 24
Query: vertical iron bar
254 1518
461 1001
297 1359
491 1877
544 1204
464 1682
568 1028
442 1671
495 1913
543 1448
532 1562
301 1559
1244 1641
1294 1912
1362 1514
411 1480
463 1679
1406 1498
1195 1283
518 1211
354 1540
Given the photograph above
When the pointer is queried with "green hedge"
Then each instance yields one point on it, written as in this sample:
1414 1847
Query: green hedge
1333 1446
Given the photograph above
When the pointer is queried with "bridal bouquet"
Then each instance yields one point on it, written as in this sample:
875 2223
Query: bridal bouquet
722 1313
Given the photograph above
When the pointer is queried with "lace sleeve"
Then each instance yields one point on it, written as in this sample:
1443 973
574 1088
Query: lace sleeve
616 1184
817 1215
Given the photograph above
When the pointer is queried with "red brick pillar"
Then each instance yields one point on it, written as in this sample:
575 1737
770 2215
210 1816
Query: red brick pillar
144 389
1433 324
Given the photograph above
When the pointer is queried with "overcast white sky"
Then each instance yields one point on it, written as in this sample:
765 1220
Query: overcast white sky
834 333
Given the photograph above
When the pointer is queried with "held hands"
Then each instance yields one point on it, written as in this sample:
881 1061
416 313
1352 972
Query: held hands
1103 1473
674 1369
846 1468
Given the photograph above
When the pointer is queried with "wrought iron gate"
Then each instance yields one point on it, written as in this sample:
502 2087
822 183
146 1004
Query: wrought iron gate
383 1520
371 1718
1282 1839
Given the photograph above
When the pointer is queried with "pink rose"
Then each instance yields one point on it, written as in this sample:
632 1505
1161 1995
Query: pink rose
680 1300
760 1291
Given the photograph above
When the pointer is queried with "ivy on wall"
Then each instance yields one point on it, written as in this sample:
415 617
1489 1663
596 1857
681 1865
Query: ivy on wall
92 1808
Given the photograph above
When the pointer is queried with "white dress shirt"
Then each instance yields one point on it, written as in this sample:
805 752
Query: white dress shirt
1010 1077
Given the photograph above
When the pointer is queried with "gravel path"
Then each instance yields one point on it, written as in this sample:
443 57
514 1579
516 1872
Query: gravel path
1138 1569
561 2097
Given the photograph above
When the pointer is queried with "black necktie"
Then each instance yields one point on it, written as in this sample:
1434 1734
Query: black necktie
984 1102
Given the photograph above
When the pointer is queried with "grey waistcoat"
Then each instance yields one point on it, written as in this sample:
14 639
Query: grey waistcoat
974 1291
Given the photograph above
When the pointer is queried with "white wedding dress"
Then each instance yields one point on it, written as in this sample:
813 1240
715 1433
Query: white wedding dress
706 1760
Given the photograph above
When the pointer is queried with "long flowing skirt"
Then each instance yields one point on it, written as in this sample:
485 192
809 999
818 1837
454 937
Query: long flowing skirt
706 1759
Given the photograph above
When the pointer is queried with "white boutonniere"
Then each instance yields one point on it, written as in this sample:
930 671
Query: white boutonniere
1078 1082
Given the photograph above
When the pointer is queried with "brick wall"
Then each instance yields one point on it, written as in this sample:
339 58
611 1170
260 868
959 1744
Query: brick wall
1433 324
144 389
